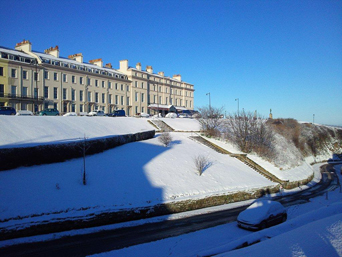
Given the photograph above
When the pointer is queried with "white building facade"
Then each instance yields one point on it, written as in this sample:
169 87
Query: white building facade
30 80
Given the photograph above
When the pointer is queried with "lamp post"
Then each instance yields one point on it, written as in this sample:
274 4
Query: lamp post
237 99
313 118
209 100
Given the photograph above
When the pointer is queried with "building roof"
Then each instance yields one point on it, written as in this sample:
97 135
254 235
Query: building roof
15 52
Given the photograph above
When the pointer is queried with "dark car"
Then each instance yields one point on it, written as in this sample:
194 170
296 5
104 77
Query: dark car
118 113
49 112
262 214
6 110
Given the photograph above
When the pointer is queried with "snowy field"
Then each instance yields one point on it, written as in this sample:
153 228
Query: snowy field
23 131
136 175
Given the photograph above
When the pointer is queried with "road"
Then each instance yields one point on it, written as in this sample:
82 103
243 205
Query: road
83 245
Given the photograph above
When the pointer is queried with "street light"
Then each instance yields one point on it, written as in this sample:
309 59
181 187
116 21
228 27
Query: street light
313 118
237 99
209 100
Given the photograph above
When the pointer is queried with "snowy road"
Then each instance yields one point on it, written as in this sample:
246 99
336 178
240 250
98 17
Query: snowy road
82 245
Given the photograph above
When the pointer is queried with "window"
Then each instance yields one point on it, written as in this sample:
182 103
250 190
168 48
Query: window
73 94
64 93
46 92
36 92
73 108
96 97
136 84
136 96
122 100
24 106
190 104
110 99
160 99
89 97
55 76
122 87
81 95
89 82
13 90
24 74
127 88
81 80
116 99
142 97
81 107
24 93
55 92
136 109
127 100
1 90
1 71
46 74
13 73
154 99
103 84
109 84
166 100
73 79
103 98
96 85
64 78
142 84
36 77
116 86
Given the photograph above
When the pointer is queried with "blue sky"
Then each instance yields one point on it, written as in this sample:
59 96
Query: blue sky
279 55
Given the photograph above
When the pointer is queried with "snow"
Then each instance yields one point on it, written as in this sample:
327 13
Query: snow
29 131
312 229
182 124
143 174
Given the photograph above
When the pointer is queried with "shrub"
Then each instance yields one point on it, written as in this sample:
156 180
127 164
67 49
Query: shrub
165 138
201 163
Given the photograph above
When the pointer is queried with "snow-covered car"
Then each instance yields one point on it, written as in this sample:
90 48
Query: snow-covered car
96 113
262 214
144 115
171 115
24 113
70 114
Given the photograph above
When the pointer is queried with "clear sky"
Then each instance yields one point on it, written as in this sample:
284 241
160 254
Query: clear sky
279 55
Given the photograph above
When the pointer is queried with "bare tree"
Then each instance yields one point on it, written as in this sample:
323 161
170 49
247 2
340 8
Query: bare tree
211 120
84 147
201 163
165 138
250 133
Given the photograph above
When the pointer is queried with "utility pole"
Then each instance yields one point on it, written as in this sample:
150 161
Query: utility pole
209 100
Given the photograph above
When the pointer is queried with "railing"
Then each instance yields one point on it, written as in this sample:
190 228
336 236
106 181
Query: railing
22 97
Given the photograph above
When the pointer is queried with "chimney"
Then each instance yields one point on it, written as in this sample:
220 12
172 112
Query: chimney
54 51
108 65
97 62
123 65
76 57
138 67
177 77
161 73
149 69
24 46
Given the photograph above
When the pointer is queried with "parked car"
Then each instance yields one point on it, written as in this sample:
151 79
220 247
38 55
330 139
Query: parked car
144 115
262 214
49 112
70 114
171 115
96 113
118 113
6 110
24 113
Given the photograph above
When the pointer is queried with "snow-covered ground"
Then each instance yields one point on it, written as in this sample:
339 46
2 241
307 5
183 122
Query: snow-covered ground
312 229
24 131
133 175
